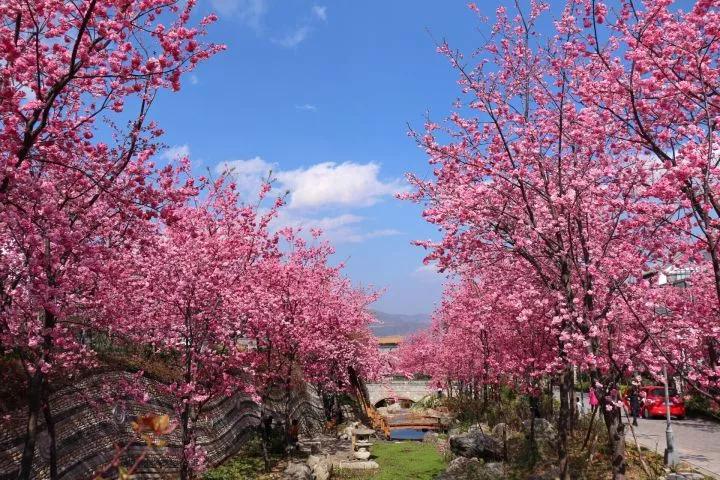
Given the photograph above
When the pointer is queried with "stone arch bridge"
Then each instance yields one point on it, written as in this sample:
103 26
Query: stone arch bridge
412 390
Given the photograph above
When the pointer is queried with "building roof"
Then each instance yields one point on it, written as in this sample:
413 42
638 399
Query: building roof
390 340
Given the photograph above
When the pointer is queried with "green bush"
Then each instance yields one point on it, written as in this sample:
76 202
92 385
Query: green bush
246 464
701 405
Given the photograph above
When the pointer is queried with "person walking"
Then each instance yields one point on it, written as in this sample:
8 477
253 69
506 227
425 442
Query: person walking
593 398
634 399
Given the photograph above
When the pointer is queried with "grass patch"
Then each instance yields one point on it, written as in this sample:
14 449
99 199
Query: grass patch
240 467
401 460
247 464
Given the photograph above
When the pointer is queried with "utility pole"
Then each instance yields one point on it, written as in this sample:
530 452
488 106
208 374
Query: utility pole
671 459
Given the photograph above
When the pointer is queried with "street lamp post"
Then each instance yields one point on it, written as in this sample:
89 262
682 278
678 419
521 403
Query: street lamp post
671 459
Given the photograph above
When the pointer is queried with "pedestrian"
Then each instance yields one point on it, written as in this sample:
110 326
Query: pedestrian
267 426
293 433
593 398
634 398
578 406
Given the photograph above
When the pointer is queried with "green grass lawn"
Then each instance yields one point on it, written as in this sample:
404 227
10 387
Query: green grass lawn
402 460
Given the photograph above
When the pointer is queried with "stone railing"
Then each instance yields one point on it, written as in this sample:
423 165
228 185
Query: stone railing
88 434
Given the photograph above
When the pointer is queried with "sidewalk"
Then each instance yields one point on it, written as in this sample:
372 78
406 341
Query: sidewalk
697 441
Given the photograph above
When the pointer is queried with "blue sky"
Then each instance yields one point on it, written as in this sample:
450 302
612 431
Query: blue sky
322 93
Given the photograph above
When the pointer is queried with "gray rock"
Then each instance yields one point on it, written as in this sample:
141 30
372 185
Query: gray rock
355 465
298 471
552 473
476 444
463 468
499 430
321 472
544 430
479 427
313 460
495 469
430 437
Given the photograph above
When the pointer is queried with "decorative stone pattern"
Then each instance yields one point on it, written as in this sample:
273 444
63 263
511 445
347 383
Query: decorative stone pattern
87 433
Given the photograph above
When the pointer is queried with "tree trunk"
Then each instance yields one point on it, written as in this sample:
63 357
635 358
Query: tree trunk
574 413
534 414
50 424
616 437
563 422
264 436
34 407
185 472
590 428
35 398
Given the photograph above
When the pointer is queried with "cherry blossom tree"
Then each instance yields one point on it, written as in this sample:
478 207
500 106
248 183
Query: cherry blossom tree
318 325
654 68
524 173
73 192
188 293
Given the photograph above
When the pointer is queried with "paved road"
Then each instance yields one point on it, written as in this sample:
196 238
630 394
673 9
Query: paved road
696 440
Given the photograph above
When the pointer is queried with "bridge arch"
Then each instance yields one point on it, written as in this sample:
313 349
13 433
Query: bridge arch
404 402
412 390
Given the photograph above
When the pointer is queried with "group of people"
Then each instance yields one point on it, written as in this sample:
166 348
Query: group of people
635 397
292 433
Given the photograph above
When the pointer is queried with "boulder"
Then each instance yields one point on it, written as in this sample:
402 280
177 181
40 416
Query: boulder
479 427
476 444
499 431
544 430
430 437
552 473
298 471
463 468
495 470
319 467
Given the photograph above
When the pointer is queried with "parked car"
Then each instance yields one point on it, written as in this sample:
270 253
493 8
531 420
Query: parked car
654 402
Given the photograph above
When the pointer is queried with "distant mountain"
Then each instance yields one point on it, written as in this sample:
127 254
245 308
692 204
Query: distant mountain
399 324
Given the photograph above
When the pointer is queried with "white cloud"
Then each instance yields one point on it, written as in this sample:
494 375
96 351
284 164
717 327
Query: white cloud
176 152
294 38
194 80
308 107
349 184
384 232
429 273
250 12
427 268
319 186
344 228
323 186
247 174
320 12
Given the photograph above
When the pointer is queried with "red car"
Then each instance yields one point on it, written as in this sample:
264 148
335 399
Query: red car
654 404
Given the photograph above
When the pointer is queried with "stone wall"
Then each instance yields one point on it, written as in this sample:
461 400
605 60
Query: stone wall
87 434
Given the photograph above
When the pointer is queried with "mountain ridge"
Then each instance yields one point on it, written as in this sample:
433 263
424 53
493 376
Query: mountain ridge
398 323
